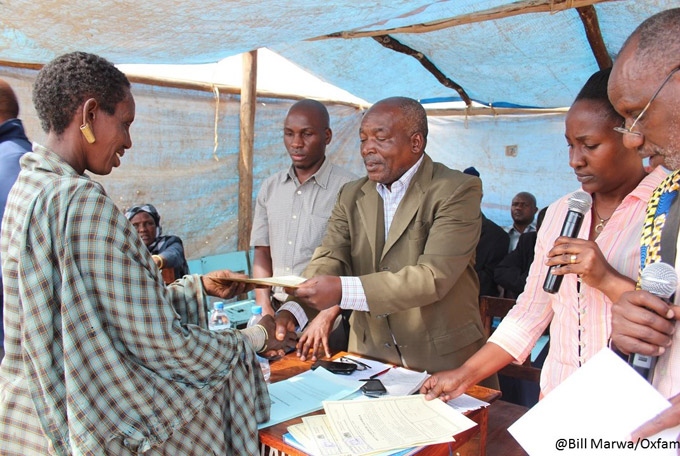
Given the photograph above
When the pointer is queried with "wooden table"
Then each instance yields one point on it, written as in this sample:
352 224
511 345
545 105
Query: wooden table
470 442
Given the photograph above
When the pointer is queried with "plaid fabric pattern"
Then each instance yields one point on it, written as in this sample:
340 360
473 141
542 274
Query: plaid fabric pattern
101 358
392 196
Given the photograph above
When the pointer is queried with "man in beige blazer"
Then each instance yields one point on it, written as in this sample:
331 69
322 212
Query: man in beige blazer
412 286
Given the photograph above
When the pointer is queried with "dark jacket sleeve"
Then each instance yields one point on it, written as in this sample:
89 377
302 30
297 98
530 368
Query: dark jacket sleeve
492 248
511 273
172 251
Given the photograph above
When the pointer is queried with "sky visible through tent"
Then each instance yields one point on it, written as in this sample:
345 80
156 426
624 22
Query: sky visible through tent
275 74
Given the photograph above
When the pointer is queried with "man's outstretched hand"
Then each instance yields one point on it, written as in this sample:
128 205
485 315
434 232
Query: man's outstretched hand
320 292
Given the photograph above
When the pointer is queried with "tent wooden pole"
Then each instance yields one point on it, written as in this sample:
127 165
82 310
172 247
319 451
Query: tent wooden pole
491 14
594 34
245 157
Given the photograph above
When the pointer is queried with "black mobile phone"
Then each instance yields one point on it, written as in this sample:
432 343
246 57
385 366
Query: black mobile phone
336 367
373 388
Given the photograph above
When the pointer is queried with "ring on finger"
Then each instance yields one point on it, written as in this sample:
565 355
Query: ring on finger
572 259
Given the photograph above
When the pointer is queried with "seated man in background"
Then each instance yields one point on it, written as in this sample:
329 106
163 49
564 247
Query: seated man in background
398 251
492 248
522 212
166 251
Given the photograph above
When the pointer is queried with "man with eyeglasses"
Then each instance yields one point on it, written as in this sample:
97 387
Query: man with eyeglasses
644 88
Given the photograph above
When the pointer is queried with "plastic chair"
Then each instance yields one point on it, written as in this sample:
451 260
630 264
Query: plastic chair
239 261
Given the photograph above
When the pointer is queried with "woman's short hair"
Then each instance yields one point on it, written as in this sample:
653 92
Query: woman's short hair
596 89
67 81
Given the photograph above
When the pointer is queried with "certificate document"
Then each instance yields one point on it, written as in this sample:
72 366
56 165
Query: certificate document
280 281
393 422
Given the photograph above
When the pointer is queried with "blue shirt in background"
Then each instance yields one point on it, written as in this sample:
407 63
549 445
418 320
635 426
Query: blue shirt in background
13 144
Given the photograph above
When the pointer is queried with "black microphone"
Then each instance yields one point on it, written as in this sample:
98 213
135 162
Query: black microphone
660 280
579 203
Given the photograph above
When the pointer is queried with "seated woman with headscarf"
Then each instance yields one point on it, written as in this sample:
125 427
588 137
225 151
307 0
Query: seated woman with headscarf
167 251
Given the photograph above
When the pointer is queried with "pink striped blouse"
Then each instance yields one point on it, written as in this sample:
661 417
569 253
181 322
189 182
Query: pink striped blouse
580 323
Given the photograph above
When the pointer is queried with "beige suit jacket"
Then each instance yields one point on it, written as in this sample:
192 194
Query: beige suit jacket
420 283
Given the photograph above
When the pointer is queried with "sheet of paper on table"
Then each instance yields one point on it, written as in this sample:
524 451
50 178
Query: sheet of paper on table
388 423
465 403
305 393
593 411
314 436
397 380
374 367
402 382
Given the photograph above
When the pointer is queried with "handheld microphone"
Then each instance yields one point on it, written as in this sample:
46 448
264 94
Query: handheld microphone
579 203
660 280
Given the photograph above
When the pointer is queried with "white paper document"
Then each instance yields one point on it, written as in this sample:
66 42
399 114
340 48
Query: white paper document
280 281
324 441
397 380
465 403
402 382
593 411
374 367
301 434
315 437
393 422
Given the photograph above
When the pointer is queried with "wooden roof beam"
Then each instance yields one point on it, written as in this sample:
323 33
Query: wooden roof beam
491 111
592 25
500 12
390 43
198 86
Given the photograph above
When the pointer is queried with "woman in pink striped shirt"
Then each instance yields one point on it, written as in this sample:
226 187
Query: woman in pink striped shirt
605 256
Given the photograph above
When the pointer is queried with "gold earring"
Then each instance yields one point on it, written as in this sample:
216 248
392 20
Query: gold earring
87 132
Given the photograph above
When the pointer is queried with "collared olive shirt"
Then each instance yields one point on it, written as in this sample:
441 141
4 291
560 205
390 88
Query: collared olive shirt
101 357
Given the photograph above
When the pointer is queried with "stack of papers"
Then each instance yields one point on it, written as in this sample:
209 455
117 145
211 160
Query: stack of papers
385 426
465 403
305 394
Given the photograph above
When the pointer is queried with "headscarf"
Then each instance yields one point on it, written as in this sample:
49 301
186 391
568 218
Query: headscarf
161 243
149 209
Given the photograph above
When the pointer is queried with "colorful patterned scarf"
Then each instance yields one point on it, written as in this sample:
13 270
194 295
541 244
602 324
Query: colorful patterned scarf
658 210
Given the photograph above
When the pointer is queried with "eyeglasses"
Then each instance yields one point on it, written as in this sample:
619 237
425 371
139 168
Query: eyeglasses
629 131
360 366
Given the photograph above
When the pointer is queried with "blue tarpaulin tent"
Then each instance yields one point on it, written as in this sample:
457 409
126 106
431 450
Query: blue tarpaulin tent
524 53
